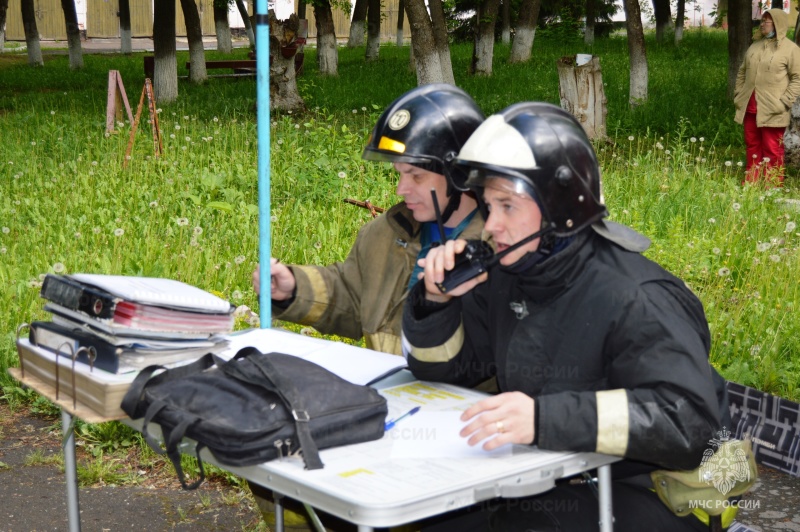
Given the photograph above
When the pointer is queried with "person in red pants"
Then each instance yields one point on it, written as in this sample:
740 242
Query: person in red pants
767 85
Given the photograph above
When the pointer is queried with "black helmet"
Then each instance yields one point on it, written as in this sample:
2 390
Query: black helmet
426 127
546 152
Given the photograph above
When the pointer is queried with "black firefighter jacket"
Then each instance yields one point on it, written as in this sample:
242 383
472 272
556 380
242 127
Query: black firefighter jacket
612 347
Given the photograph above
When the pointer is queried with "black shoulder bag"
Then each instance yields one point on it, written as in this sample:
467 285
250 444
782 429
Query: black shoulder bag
253 409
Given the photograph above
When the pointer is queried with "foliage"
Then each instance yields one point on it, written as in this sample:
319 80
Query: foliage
67 205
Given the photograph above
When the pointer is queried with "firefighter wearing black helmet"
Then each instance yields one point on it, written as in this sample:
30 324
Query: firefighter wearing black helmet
595 348
420 133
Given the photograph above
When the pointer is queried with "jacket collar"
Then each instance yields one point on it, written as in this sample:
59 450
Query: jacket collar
402 222
549 278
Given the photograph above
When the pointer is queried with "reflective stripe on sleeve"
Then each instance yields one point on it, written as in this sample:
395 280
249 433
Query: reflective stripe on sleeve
612 422
440 353
319 292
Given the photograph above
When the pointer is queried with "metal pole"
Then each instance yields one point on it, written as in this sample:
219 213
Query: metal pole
263 123
604 495
71 472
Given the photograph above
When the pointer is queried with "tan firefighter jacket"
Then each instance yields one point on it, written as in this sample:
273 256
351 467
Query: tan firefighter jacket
364 295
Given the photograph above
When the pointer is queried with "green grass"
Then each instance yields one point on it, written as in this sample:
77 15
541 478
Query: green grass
67 205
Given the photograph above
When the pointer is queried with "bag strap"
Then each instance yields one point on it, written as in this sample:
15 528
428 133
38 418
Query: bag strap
293 400
175 458
135 393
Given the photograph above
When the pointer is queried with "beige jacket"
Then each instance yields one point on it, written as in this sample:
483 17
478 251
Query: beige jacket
771 68
364 295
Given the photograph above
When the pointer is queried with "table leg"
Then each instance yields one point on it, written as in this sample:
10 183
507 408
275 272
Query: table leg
604 495
71 471
278 498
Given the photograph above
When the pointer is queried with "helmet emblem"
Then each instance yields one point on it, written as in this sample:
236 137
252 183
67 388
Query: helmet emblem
399 120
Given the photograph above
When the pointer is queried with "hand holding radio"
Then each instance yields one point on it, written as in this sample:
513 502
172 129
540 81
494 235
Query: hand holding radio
453 268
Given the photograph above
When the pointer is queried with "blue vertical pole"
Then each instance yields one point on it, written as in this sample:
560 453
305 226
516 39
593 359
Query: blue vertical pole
262 103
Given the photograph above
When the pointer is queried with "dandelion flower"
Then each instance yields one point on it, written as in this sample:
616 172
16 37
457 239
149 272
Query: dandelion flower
240 259
58 267
766 159
342 175
6 230
119 231
318 244
775 258
702 139
659 146
716 251
724 272
739 164
280 141
790 226
3 250
631 138
712 220
355 111
728 163
667 152
236 295
187 138
364 109
77 234
692 140
177 126
215 119
736 206
755 350
297 126
273 218
96 230
198 230
182 221
763 246
52 112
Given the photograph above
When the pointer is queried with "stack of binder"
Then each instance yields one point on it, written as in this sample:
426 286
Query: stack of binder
128 323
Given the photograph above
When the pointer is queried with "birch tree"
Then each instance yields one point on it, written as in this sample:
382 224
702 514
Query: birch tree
505 28
591 14
165 68
126 42
680 15
356 38
194 34
248 26
636 53
3 13
483 49
441 40
424 53
525 32
663 17
222 27
327 53
373 30
740 36
73 34
31 33
399 40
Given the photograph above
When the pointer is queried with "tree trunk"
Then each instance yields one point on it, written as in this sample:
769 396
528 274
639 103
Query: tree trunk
356 38
791 139
663 18
636 53
582 94
248 26
679 21
301 9
222 28
505 31
126 43
441 40
327 54
526 31
740 36
425 56
373 30
3 13
483 50
399 41
194 34
165 71
31 33
283 91
73 34
591 14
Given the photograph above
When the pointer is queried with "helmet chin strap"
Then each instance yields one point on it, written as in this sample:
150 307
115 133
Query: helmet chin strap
545 231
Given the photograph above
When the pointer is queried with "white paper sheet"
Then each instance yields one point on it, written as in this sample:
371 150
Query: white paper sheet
429 434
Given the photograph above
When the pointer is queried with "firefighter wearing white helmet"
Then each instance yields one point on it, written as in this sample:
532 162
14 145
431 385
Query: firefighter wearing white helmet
595 348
